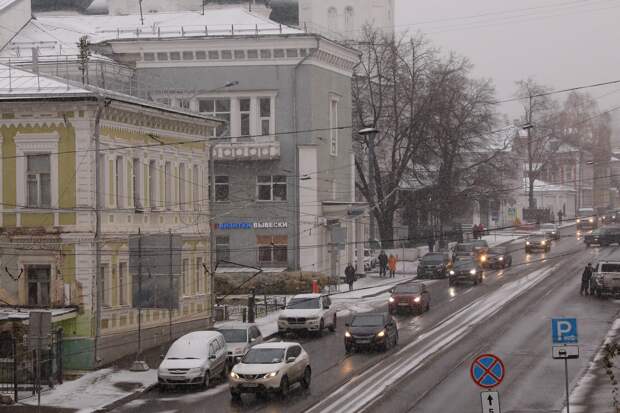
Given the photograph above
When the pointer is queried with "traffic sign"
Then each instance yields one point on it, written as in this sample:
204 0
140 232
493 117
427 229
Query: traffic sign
490 402
564 330
487 371
565 352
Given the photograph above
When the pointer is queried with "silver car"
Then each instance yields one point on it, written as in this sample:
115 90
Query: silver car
239 339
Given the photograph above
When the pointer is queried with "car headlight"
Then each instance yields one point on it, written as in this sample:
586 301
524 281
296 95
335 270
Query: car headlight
417 299
238 351
381 333
451 272
501 258
347 334
472 272
543 242
234 375
578 220
527 243
591 220
270 375
391 299
196 370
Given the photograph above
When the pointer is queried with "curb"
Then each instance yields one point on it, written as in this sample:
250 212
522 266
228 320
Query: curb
129 398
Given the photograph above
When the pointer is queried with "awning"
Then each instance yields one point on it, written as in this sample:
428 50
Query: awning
23 314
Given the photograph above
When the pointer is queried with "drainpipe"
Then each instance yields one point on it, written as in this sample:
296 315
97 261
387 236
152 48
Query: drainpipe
296 157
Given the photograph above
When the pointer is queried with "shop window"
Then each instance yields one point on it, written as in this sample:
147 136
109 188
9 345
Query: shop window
271 188
39 277
38 178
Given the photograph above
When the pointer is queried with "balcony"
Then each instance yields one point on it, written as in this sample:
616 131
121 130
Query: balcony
264 148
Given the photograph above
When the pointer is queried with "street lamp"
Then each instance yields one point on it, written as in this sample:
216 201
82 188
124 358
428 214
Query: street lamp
369 133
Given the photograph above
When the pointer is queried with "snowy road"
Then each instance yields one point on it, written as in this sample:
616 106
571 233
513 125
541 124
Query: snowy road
509 314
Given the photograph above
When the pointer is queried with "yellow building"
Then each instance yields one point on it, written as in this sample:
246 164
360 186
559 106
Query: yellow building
154 179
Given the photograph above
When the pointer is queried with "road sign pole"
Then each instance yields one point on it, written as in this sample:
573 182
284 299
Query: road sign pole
566 382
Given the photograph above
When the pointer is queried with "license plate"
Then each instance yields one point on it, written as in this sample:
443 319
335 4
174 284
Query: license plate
363 341
403 304
250 385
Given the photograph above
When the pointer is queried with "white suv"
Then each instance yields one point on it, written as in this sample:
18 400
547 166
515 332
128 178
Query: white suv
271 367
308 312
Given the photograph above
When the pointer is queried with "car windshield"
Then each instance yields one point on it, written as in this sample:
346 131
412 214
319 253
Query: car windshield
367 321
264 356
407 289
497 251
548 226
609 267
464 248
304 303
235 335
480 243
433 259
187 349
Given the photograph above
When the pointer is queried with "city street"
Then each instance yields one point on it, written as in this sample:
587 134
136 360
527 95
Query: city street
509 315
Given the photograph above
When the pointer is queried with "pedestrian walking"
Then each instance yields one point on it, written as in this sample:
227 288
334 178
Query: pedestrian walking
383 262
392 265
431 242
560 216
349 276
586 276
474 230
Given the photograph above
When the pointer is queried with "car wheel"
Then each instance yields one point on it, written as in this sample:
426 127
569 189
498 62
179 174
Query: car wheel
321 328
205 381
284 387
450 283
332 328
307 378
235 395
428 306
527 250
225 371
396 339
162 388
348 348
475 281
598 292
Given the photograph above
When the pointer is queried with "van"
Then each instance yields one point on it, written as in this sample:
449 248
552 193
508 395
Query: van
193 359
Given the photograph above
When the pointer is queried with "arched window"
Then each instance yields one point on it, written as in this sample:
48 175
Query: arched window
349 24
332 19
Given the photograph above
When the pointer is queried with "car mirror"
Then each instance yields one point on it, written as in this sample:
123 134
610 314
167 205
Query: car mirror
212 357
290 359
347 325
253 339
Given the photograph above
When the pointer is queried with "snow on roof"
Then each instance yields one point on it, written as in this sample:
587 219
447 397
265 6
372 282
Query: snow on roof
58 314
276 344
542 186
55 34
6 3
18 82
307 296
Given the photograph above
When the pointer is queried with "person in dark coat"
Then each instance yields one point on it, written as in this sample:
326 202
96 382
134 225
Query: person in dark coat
431 242
349 276
560 216
383 261
585 280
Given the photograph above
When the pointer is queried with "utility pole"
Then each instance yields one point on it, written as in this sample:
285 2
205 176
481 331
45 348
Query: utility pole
98 238
530 161
171 288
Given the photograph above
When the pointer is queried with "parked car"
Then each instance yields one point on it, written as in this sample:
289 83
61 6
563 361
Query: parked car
552 231
239 339
307 312
410 297
537 242
434 265
606 278
466 269
498 257
371 330
193 360
269 368
603 236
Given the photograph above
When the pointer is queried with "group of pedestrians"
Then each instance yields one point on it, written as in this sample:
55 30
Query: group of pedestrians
478 231
387 264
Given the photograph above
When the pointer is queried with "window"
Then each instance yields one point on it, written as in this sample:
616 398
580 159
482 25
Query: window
163 101
348 19
188 55
201 55
265 54
119 182
122 284
332 19
195 187
222 248
136 184
272 249
184 103
105 285
333 126
214 55
38 178
181 186
102 178
265 115
175 56
39 277
168 185
185 276
220 108
149 57
271 188
152 184
244 115
162 56
200 276
239 54
278 53
253 54
227 54
222 188
197 276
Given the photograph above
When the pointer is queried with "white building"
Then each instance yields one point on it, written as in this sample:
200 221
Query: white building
345 19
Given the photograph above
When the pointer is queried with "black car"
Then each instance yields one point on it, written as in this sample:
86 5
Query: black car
371 330
537 242
466 269
478 249
498 257
603 236
434 265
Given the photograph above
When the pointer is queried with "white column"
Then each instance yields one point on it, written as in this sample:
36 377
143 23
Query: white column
235 124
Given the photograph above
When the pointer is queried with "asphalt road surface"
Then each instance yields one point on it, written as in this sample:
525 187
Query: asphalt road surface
509 314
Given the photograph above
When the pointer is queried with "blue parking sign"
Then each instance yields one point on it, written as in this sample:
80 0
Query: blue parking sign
564 330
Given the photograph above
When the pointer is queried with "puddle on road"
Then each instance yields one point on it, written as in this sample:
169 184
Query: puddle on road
128 386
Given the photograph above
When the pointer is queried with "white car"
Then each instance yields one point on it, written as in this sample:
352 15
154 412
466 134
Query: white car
307 312
193 360
239 339
271 368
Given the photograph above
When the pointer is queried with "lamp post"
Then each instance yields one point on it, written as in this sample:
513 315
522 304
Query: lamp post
369 133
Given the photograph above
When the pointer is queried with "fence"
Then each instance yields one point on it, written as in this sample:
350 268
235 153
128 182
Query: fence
263 306
18 365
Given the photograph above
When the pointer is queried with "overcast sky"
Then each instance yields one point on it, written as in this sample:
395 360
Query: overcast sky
561 43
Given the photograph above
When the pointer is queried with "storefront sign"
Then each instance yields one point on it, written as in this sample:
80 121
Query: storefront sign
250 225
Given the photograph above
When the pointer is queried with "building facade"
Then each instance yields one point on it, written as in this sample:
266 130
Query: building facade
48 213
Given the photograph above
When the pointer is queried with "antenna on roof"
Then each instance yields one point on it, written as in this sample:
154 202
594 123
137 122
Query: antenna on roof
141 15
